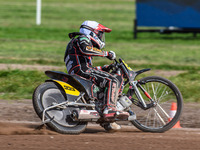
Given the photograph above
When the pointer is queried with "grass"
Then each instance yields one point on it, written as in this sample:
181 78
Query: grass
23 42
189 85
16 84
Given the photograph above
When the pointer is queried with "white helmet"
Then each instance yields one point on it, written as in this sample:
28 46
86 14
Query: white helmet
95 32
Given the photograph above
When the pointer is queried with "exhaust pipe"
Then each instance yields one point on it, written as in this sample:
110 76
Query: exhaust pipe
93 116
85 115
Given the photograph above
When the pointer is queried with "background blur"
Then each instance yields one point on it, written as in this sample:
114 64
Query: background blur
27 50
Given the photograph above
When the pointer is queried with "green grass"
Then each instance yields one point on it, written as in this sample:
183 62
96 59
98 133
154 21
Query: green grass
189 85
16 84
23 42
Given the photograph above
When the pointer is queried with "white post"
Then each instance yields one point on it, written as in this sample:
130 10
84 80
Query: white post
38 12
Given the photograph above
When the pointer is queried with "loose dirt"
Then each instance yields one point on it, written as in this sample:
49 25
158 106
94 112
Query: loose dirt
18 123
96 138
28 67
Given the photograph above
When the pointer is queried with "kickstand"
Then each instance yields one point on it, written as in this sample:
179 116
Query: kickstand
43 123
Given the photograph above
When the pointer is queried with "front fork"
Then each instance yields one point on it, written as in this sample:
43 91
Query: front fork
134 85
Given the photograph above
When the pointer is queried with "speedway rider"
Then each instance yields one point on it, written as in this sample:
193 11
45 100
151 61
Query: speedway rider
78 60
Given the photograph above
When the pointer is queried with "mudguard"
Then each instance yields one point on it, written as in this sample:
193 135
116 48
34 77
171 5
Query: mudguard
68 88
72 84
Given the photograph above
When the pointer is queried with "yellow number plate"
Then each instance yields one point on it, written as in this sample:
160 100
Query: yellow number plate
68 88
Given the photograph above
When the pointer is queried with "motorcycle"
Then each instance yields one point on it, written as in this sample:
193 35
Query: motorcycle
66 103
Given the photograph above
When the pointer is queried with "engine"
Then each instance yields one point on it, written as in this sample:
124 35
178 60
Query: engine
123 103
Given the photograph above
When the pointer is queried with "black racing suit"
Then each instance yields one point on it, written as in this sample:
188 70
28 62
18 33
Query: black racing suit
78 60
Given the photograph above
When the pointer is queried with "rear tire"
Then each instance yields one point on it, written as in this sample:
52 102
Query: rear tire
164 93
44 96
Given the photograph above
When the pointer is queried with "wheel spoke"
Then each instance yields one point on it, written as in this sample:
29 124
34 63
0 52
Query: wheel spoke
147 118
154 94
158 84
154 120
163 92
159 116
164 112
159 88
167 93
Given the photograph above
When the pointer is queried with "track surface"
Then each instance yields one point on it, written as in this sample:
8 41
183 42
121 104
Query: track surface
18 123
25 137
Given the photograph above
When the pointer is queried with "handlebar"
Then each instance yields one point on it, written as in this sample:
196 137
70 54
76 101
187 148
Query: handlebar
113 65
115 60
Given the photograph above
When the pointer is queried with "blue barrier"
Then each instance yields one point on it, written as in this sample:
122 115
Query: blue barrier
182 14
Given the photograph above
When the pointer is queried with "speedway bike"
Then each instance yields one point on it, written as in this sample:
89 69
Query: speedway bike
66 103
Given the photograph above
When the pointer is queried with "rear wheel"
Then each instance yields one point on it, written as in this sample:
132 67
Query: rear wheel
160 117
49 94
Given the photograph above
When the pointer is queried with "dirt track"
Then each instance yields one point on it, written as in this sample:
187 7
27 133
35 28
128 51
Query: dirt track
18 122
24 137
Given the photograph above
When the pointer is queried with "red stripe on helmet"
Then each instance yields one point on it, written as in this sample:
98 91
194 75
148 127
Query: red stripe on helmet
102 28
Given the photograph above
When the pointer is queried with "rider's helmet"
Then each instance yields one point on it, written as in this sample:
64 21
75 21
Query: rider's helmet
95 32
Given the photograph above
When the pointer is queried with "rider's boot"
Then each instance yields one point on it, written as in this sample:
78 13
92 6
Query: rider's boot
111 127
110 113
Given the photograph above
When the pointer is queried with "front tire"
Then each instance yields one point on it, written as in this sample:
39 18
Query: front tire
46 95
158 118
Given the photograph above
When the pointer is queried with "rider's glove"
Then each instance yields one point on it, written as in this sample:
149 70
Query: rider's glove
111 55
105 68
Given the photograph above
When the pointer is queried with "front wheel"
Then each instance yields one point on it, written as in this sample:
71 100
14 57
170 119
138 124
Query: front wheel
160 117
48 94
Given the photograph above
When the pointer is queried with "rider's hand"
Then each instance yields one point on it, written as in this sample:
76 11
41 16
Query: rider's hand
105 68
111 55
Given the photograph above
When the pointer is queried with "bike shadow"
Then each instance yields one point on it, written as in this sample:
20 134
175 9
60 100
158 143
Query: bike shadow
100 130
91 129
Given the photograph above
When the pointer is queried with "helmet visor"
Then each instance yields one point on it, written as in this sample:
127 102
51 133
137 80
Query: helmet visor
101 36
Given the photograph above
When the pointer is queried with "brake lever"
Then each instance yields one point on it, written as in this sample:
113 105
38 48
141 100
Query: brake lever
113 65
110 67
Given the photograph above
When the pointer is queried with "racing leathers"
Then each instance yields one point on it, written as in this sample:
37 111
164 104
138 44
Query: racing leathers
78 60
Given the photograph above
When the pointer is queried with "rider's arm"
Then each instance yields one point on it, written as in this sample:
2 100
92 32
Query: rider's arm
86 48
